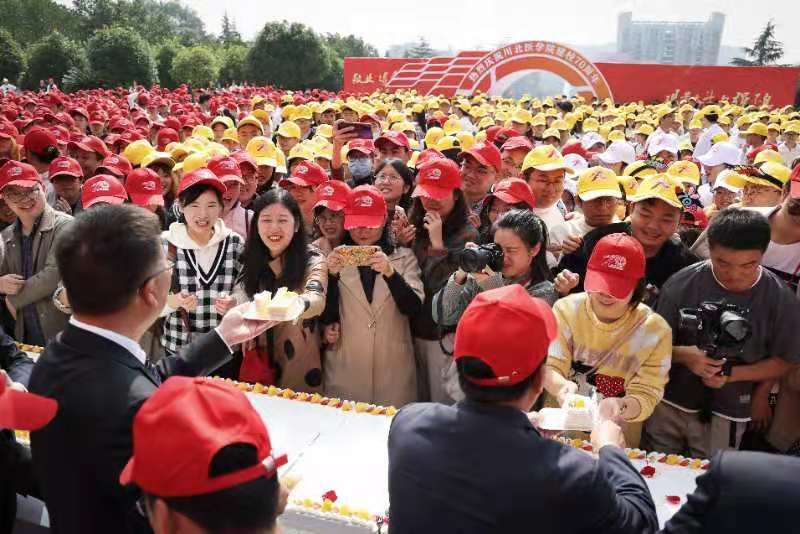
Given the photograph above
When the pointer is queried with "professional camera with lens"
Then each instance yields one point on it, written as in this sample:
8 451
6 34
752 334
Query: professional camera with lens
474 260
719 328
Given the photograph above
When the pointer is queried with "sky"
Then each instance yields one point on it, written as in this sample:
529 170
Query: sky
481 24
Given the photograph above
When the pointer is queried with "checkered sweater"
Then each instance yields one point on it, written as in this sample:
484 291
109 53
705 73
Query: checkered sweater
640 356
204 279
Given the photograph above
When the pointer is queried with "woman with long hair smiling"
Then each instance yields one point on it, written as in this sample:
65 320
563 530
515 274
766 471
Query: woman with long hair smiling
278 255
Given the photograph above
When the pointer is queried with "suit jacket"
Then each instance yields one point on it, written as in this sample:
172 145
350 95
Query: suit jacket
742 492
478 468
39 288
99 387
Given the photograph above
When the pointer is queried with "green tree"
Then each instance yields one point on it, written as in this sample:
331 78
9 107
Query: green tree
94 15
333 78
229 33
350 46
118 56
233 63
53 56
288 55
766 50
164 59
196 66
421 49
28 20
12 60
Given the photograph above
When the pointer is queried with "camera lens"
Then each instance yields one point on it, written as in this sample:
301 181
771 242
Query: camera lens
473 261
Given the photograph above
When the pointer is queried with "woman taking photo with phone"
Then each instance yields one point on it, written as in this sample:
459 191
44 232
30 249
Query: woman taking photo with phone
439 215
371 351
278 255
207 258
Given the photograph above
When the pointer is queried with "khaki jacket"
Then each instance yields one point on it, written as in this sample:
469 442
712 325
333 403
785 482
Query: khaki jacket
374 358
39 288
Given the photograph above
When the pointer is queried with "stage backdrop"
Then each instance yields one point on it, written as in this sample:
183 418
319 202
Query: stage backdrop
493 72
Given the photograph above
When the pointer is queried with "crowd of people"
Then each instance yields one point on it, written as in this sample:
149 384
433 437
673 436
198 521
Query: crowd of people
525 251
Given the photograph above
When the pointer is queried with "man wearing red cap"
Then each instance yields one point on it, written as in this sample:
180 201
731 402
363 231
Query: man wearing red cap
228 476
393 145
28 272
513 153
90 152
462 468
66 175
113 265
301 183
480 168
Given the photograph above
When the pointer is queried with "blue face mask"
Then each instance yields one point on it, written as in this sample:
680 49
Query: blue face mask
360 168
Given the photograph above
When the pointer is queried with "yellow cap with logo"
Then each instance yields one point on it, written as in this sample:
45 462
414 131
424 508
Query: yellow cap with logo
251 120
263 150
289 129
769 174
598 182
685 172
545 158
137 151
660 187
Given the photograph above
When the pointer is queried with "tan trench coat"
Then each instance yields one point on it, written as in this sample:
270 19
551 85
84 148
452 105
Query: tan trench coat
374 358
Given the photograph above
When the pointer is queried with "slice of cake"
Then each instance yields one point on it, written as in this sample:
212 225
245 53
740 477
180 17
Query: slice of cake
281 307
579 414
262 303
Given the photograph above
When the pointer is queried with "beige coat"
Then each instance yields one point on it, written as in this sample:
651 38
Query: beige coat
374 358
38 289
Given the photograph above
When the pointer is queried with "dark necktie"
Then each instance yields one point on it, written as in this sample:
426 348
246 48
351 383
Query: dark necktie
151 367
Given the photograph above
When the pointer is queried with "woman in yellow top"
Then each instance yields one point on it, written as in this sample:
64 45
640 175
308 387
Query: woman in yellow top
608 340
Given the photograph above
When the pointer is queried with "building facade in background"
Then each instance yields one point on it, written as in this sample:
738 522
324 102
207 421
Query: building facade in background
671 43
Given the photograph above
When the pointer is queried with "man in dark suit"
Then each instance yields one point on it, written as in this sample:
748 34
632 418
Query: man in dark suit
743 492
481 466
117 276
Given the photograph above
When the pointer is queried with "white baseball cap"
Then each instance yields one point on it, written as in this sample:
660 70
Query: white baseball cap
618 152
577 163
722 152
663 142
590 139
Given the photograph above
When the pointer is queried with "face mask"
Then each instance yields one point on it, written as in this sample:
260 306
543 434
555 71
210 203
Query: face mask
360 168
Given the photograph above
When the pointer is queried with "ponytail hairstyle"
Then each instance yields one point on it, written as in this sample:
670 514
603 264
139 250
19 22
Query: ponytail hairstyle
532 231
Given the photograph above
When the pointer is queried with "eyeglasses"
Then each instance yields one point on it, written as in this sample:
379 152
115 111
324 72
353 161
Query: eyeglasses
170 265
20 194
388 178
333 217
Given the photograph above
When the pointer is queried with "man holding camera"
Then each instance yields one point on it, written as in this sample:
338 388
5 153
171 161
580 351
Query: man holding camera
734 324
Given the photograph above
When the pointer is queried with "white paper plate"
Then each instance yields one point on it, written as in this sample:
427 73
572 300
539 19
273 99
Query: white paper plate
556 419
295 310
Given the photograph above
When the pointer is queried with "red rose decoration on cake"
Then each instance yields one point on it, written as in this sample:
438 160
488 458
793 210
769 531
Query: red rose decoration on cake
648 471
330 496
673 499
610 386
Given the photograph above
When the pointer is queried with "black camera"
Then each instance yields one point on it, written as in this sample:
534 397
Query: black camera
719 328
474 260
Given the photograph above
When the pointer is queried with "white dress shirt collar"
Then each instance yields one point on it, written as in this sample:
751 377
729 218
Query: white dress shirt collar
124 342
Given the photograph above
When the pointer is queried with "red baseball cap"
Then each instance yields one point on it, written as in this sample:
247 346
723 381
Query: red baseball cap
795 187
396 138
514 191
145 188
509 331
366 208
166 136
616 266
437 179
516 142
429 154
492 132
15 172
365 146
226 168
201 176
243 158
182 426
332 194
102 188
64 165
306 174
694 215
8 130
117 165
24 411
486 154
90 143
38 139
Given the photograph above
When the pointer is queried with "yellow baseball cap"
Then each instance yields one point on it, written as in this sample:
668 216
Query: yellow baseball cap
178 151
164 158
137 151
768 155
252 121
644 129
302 112
289 129
591 125
203 131
757 128
325 130
432 136
281 159
685 145
685 172
452 126
545 158
551 132
448 142
230 134
629 184
773 126
217 149
522 116
263 150
695 124
465 138
261 115
719 138
770 174
194 161
301 151
221 119
616 135
598 182
661 187
324 152
560 124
